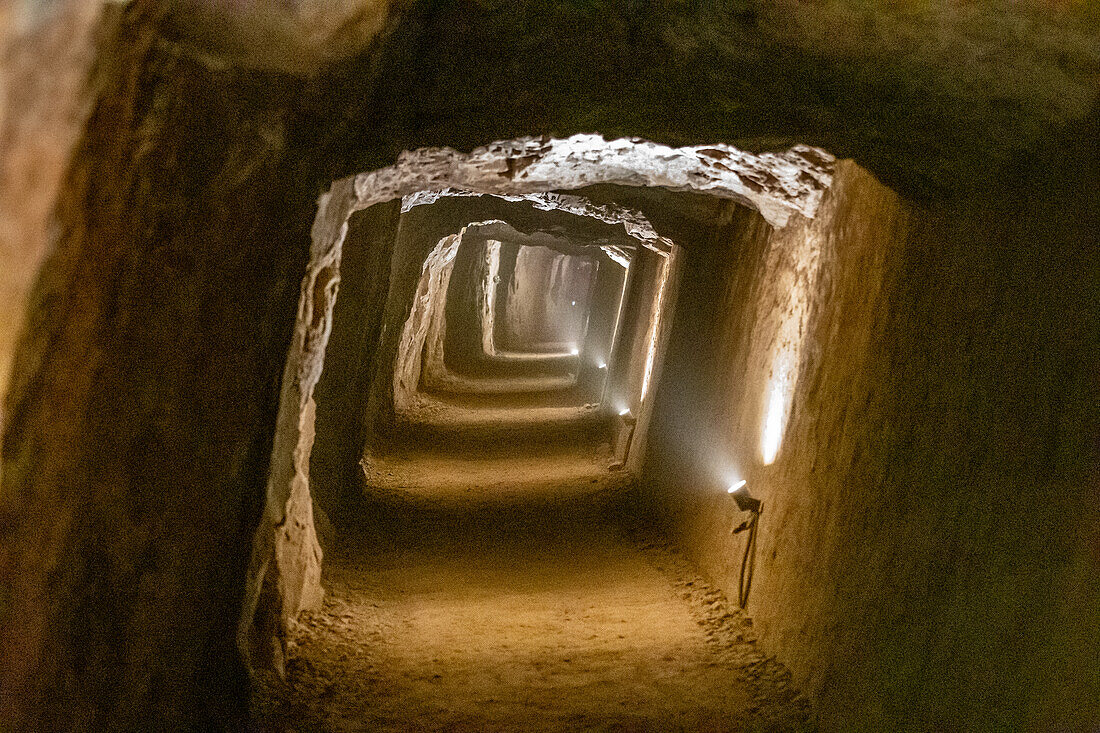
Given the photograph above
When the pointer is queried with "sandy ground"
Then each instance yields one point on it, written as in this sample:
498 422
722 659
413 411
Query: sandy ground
501 473
521 613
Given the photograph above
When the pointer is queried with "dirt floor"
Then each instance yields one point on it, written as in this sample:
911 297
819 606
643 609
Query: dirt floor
459 611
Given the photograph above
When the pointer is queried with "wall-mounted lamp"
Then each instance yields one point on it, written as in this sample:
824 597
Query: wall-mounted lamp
745 501
623 437
575 351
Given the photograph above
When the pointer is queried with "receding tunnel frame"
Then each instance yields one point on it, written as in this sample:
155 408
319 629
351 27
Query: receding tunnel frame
449 372
443 371
424 391
285 566
494 281
608 265
449 362
420 360
548 327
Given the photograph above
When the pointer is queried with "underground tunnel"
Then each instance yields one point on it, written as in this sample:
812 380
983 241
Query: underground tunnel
557 366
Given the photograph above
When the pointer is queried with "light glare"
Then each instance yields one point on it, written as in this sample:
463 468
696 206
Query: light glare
783 326
775 420
734 487
655 328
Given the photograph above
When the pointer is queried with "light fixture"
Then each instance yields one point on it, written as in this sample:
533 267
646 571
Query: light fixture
745 501
602 365
574 351
623 436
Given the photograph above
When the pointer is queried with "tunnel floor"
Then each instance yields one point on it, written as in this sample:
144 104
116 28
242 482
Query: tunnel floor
521 613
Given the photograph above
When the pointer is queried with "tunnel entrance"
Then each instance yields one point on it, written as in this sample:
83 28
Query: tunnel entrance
512 350
465 419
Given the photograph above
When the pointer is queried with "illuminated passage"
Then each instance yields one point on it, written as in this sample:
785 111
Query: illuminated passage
499 394
540 331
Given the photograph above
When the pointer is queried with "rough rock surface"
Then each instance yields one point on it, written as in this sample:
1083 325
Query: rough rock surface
635 224
776 185
497 614
133 448
294 36
41 120
183 222
927 555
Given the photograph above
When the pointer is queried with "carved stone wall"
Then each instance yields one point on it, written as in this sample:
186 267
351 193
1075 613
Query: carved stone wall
175 202
927 557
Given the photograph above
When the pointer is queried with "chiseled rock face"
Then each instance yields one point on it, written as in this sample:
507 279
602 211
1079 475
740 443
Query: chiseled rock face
185 220
291 36
139 420
775 184
41 119
905 389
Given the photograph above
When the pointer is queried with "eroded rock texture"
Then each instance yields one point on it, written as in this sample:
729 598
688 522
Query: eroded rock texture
41 120
777 185
140 417
927 552
139 423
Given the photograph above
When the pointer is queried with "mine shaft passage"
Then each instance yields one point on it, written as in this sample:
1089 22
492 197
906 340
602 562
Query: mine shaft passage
492 570
353 379
526 339
502 379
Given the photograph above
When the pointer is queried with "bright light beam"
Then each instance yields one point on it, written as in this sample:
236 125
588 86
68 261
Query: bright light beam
797 269
778 410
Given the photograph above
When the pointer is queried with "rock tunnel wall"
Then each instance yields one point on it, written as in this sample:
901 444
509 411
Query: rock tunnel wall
133 448
173 183
928 546
341 393
41 119
542 302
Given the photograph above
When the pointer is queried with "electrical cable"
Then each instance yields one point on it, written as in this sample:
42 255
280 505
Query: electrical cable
748 561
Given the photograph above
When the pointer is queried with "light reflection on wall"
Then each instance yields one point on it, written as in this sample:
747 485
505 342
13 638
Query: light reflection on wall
655 327
784 375
488 295
793 266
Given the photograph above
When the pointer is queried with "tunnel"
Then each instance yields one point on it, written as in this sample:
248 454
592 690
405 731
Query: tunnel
558 366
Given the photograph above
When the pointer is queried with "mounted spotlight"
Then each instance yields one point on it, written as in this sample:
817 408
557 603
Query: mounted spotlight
622 438
745 502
